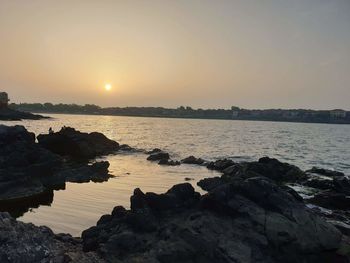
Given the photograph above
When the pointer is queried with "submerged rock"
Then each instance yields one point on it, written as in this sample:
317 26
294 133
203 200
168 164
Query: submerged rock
251 220
78 145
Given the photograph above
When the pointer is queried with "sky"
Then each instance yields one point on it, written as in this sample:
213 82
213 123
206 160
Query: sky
204 54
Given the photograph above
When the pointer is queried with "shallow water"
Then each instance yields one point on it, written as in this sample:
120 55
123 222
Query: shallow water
81 205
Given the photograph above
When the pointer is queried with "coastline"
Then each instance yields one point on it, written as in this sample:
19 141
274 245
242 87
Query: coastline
245 195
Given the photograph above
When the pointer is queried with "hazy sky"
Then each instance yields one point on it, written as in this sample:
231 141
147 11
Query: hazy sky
253 54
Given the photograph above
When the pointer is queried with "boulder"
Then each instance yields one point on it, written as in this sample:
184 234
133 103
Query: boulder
78 145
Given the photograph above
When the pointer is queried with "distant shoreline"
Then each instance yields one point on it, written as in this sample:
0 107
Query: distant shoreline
274 115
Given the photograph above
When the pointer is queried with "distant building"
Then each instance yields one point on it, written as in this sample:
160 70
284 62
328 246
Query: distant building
4 100
235 113
338 114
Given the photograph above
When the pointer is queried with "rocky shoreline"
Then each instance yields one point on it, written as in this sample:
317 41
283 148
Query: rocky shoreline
262 211
7 114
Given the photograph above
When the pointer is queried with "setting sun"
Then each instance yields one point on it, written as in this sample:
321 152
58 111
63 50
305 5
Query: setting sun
108 87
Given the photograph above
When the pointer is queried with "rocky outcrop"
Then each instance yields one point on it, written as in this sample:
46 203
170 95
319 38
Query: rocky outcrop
29 172
268 167
78 145
251 220
20 242
7 114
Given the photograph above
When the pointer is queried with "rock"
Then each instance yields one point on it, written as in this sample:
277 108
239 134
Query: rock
271 168
331 200
319 183
158 156
7 114
20 242
220 164
29 173
192 160
78 145
155 150
23 164
169 162
251 220
325 172
208 184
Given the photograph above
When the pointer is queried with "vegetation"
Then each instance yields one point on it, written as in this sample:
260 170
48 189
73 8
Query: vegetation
295 115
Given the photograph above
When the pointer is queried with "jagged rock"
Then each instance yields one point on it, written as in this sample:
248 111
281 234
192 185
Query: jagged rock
267 167
20 242
325 172
220 164
158 156
209 184
251 220
29 172
193 160
78 145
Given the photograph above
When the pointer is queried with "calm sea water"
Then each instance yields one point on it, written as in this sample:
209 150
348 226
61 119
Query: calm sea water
81 205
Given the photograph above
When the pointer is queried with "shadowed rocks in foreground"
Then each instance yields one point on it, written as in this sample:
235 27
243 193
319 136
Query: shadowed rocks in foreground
251 220
20 242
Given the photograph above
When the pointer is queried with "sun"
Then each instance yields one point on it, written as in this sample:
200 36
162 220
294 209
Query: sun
108 87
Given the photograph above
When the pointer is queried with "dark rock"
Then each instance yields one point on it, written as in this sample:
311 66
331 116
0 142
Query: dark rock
220 164
251 220
331 200
20 242
319 183
267 167
78 145
325 172
158 156
29 172
193 160
155 150
7 114
209 184
168 162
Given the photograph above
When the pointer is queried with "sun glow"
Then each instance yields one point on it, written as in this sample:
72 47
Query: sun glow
108 87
